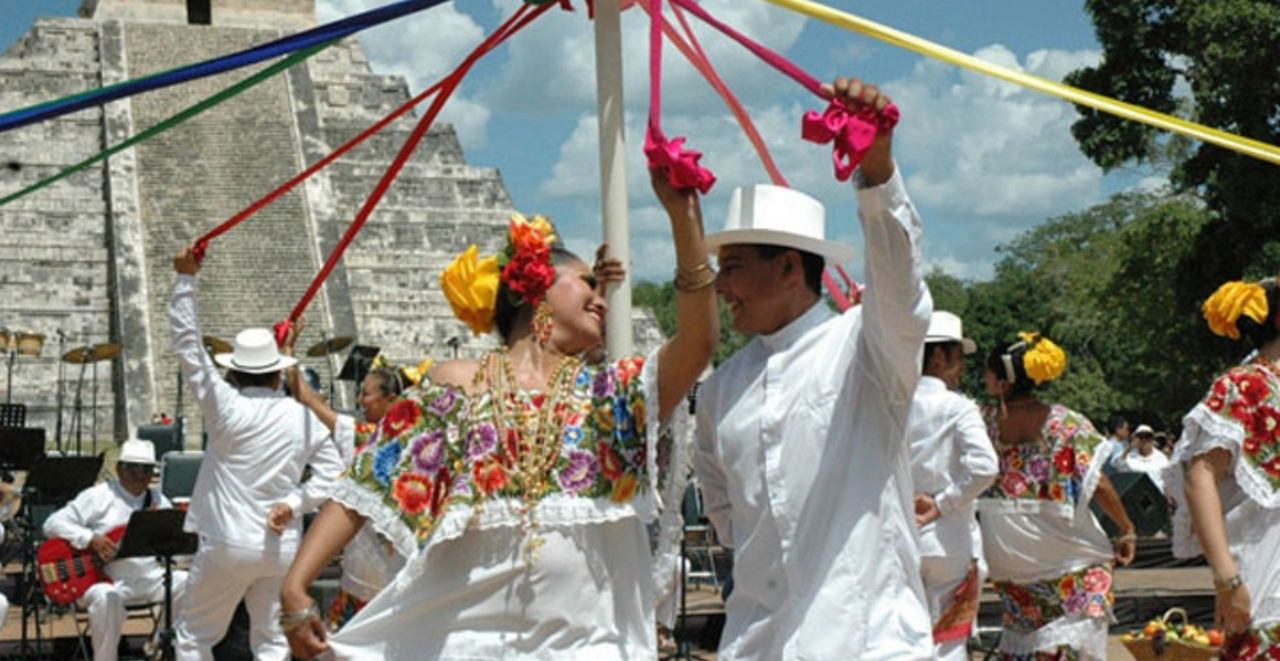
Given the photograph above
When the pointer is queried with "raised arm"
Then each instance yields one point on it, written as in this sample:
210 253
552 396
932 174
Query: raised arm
208 387
684 356
896 306
302 390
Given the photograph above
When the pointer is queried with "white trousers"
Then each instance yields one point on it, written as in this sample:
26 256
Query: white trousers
220 577
941 577
106 602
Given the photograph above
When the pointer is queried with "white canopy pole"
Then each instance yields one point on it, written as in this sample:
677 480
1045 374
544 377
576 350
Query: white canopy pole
613 169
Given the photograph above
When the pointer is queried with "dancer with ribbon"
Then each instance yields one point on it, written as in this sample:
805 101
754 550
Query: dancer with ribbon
801 448
520 485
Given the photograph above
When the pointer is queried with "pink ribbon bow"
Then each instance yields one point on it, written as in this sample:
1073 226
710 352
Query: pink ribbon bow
681 164
850 133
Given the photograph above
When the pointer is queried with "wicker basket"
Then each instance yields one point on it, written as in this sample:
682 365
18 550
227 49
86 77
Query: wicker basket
1143 649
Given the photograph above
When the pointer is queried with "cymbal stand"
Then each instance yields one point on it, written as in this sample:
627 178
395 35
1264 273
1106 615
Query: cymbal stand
8 391
30 595
94 437
77 415
57 433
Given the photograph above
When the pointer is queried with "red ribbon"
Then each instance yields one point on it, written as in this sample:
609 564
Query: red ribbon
851 134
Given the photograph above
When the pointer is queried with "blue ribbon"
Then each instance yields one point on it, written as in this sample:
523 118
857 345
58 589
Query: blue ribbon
315 36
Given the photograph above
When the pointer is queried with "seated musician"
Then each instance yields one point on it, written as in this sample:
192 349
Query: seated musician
88 520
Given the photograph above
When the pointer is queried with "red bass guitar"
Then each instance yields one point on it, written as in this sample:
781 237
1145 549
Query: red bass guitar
66 572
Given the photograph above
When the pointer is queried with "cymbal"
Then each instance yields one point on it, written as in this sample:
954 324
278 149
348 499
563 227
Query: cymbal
217 345
327 347
104 351
30 344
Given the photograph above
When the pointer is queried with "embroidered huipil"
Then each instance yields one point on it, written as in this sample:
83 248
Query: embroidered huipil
437 479
1241 414
803 462
1048 557
369 562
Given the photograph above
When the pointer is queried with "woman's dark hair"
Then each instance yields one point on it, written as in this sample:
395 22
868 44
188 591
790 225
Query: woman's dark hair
1021 384
511 310
389 381
1259 334
811 263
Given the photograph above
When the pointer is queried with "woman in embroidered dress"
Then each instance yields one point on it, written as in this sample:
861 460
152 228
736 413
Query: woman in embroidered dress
1225 475
1049 560
520 485
369 562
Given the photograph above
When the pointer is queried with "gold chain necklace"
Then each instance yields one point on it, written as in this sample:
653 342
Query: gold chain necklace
538 431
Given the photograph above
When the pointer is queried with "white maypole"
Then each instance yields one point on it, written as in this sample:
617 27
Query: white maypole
613 169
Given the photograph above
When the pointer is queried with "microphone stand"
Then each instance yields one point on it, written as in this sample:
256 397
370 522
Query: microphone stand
57 433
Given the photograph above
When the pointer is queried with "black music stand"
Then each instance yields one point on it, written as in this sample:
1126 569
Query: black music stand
159 533
20 448
51 481
358 364
13 415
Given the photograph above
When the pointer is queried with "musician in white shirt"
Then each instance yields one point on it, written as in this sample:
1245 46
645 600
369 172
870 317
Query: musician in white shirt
801 447
952 463
249 496
85 523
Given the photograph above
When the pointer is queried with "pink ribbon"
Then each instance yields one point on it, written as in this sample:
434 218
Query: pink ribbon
850 133
680 164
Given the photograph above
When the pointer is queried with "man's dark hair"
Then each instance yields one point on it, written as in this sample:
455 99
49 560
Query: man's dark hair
247 380
811 263
931 347
1118 421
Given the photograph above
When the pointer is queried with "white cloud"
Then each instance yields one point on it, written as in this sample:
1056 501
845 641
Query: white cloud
978 146
552 63
422 48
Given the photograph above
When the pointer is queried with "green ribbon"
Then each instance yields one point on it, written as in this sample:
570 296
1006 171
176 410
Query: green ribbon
174 120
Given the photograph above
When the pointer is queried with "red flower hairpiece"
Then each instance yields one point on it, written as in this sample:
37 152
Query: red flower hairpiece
527 270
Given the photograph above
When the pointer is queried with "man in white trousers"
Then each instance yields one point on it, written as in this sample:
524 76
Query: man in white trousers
952 462
85 523
249 495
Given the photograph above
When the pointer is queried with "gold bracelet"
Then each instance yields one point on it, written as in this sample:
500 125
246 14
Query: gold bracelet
695 278
1228 585
291 622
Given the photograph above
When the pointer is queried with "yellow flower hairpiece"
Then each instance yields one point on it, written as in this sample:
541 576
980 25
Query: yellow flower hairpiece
1223 309
379 362
413 374
1043 360
471 286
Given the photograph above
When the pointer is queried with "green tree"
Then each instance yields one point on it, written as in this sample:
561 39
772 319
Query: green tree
660 299
1227 53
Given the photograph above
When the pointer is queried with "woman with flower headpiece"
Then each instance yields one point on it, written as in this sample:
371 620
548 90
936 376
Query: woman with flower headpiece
520 485
1049 559
1225 474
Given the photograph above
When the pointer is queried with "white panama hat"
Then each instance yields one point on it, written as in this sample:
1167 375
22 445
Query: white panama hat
778 216
947 327
136 451
255 353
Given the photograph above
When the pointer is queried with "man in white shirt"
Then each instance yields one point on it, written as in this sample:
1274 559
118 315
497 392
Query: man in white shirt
249 495
952 462
1143 457
85 523
801 448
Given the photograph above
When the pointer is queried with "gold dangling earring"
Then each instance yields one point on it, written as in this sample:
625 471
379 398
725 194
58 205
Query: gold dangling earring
543 324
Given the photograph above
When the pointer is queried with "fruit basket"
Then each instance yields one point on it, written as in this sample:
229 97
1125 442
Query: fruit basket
1165 639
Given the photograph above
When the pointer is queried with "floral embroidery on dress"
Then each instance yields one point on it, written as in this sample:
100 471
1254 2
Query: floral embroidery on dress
1029 606
1063 653
1254 645
438 446
1250 395
1053 470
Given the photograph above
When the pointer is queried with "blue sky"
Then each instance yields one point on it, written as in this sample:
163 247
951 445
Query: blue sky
983 160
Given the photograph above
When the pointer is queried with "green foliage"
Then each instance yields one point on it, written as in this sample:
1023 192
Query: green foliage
660 299
1226 54
1101 284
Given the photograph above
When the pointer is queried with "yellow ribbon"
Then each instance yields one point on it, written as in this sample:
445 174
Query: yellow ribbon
1246 146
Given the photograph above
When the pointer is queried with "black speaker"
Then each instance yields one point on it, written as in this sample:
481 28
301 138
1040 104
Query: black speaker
1143 502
